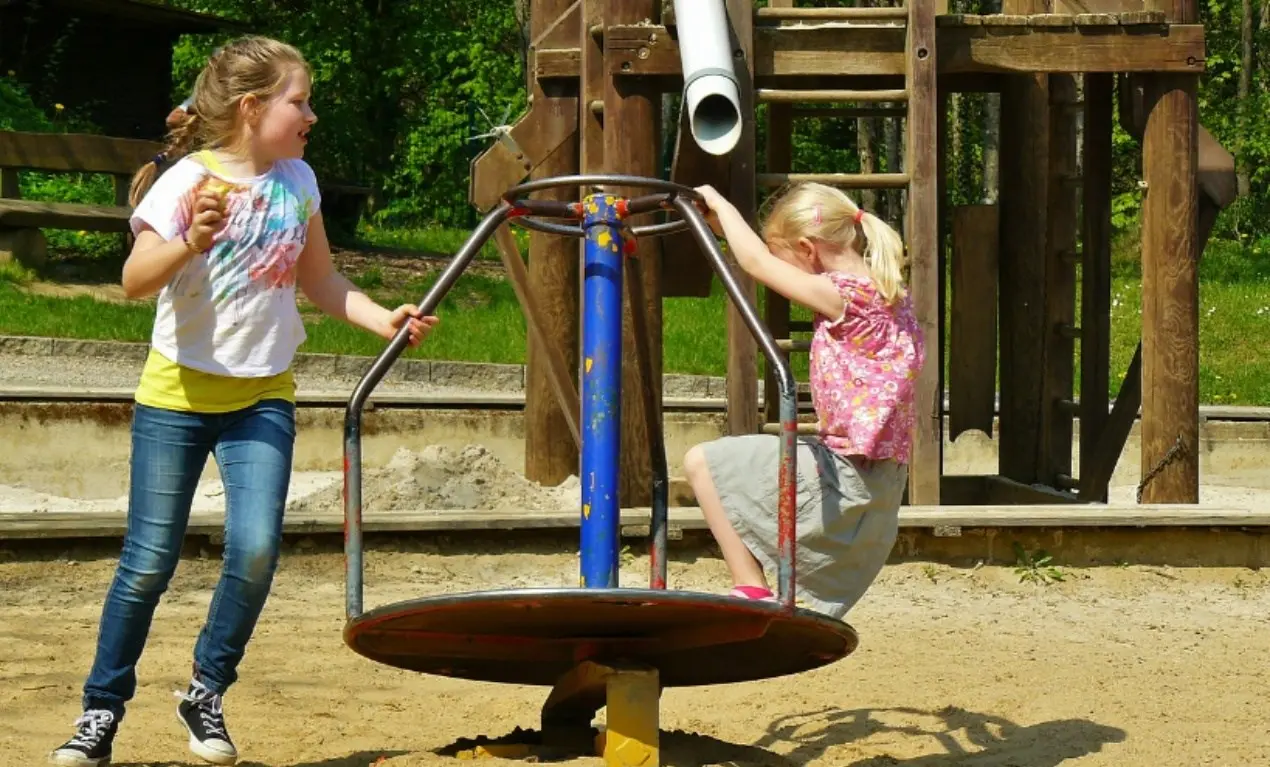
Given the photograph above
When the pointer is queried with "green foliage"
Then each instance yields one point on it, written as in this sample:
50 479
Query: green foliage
398 90
1036 568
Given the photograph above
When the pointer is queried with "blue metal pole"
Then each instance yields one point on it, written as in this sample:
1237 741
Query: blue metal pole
601 391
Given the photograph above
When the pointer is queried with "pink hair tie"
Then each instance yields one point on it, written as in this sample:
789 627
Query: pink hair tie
859 215
816 219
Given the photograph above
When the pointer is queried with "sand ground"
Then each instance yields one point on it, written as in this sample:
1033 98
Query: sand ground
1129 666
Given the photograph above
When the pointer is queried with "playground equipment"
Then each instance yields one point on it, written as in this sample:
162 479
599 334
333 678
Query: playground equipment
712 97
598 645
598 71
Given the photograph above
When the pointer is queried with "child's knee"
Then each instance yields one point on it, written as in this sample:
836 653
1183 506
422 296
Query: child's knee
695 465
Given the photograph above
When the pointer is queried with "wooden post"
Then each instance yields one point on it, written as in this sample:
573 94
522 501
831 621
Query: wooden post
1024 162
923 243
551 454
1062 223
972 364
632 113
1095 278
780 150
1170 291
742 372
591 83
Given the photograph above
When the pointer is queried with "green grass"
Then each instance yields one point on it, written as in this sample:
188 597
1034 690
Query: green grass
482 321
438 240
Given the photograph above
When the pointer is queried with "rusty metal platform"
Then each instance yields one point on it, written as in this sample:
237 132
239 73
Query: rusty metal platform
534 636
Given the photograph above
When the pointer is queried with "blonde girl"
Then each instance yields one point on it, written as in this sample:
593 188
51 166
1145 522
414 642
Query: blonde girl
820 250
223 237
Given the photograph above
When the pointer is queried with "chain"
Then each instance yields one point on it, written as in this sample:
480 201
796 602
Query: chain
1168 458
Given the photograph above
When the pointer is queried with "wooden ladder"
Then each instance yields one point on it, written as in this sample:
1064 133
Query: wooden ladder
918 179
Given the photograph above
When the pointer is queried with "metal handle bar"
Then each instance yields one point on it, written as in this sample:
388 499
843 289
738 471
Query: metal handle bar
527 212
786 519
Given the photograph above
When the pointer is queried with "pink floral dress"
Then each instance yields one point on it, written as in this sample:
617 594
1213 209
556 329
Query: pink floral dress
864 368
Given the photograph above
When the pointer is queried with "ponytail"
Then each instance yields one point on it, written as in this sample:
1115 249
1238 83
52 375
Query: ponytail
180 142
884 253
827 213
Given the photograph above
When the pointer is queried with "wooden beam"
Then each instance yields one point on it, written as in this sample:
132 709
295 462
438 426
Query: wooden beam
63 215
1023 205
552 120
1170 281
804 51
1097 6
923 243
972 363
1062 223
74 152
590 63
1170 293
552 365
942 231
742 366
1095 281
56 525
631 116
780 158
551 296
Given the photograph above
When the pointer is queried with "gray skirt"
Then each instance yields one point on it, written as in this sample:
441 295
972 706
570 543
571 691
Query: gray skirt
847 519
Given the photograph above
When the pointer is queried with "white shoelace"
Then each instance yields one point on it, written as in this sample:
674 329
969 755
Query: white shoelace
209 707
91 728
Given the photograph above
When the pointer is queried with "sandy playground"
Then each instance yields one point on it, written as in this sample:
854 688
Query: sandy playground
1116 666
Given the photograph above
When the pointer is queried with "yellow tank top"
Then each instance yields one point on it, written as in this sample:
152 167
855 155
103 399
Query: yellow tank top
171 386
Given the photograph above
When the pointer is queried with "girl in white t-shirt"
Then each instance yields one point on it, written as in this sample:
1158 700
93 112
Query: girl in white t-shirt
223 237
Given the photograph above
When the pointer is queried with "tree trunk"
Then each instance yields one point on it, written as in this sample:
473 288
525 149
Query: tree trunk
991 146
891 134
1245 90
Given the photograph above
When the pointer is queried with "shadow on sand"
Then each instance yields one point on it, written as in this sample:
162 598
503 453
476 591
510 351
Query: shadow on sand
950 737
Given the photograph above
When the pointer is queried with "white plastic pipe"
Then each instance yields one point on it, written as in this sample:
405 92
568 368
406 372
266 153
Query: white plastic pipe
711 94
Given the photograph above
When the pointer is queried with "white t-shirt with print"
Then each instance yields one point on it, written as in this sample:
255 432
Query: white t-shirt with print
232 310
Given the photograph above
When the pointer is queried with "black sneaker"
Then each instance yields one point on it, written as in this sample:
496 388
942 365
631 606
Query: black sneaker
200 712
94 735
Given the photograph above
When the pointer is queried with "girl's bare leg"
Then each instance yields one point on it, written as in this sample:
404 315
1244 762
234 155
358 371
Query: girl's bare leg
746 571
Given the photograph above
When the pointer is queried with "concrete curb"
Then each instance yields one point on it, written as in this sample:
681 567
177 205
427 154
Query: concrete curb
482 376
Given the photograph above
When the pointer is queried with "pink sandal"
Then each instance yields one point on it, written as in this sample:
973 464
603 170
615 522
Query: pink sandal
757 593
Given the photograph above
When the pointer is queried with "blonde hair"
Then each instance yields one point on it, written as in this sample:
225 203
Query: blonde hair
820 212
249 66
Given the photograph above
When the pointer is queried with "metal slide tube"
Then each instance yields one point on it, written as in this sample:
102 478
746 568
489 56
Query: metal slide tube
372 377
601 392
787 477
711 93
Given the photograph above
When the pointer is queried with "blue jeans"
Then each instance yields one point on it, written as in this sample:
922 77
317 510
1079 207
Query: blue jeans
253 449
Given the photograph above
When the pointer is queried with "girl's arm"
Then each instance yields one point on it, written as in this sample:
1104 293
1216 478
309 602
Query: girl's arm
154 260
332 292
813 291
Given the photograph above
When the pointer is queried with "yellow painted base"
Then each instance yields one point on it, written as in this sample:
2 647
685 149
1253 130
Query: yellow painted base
632 737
